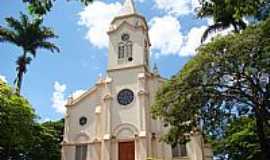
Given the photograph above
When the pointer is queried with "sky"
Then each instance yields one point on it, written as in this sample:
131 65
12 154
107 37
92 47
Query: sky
174 32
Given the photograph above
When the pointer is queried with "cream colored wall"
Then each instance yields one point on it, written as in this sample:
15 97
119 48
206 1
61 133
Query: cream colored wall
146 146
85 107
125 79
137 36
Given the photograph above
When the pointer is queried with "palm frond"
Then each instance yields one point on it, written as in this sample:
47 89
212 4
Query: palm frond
213 28
14 24
30 35
7 35
48 45
47 33
24 20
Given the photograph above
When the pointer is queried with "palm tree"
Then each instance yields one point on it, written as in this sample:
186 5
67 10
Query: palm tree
30 35
224 15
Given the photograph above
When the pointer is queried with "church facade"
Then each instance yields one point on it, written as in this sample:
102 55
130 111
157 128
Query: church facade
112 120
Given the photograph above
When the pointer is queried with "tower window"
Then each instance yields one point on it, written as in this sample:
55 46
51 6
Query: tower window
129 50
125 49
81 152
180 150
146 52
121 51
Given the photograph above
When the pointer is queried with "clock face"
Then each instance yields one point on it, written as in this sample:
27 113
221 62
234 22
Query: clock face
125 37
83 121
125 97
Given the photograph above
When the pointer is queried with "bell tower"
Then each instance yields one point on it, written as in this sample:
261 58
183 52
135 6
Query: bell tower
128 39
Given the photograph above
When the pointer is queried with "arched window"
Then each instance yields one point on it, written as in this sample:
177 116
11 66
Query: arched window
125 50
121 51
129 50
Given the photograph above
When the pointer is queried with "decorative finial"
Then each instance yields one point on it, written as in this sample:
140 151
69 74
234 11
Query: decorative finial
155 69
69 100
100 78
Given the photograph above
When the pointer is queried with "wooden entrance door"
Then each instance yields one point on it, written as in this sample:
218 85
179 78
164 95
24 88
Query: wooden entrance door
126 150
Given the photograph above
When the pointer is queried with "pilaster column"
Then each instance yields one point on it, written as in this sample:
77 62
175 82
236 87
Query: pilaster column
142 148
67 124
106 143
106 149
142 99
107 108
142 102
197 147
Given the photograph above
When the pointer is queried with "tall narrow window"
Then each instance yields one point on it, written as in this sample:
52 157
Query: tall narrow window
146 52
125 49
121 51
81 152
129 51
179 150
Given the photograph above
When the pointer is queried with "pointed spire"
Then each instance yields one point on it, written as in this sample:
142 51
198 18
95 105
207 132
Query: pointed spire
128 8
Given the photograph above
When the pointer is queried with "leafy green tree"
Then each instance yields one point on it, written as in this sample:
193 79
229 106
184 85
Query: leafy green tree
16 121
228 79
47 138
226 13
239 141
42 7
21 137
30 35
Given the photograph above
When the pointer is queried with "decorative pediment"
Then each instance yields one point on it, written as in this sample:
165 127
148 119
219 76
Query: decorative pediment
130 26
72 101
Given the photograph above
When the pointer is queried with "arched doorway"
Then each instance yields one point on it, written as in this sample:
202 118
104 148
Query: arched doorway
125 141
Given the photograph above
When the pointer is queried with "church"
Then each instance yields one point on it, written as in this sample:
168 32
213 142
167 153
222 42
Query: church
112 121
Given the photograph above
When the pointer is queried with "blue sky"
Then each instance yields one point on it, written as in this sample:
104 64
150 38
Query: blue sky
174 32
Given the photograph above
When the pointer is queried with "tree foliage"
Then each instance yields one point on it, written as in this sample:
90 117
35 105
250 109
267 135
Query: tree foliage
21 137
16 121
227 13
47 140
42 7
239 141
29 35
228 79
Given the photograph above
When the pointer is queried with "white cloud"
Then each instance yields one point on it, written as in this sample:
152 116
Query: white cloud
210 21
192 41
195 4
97 17
167 38
174 7
177 7
58 98
165 34
3 78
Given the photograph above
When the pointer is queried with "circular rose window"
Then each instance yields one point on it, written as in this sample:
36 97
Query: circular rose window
125 97
83 121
